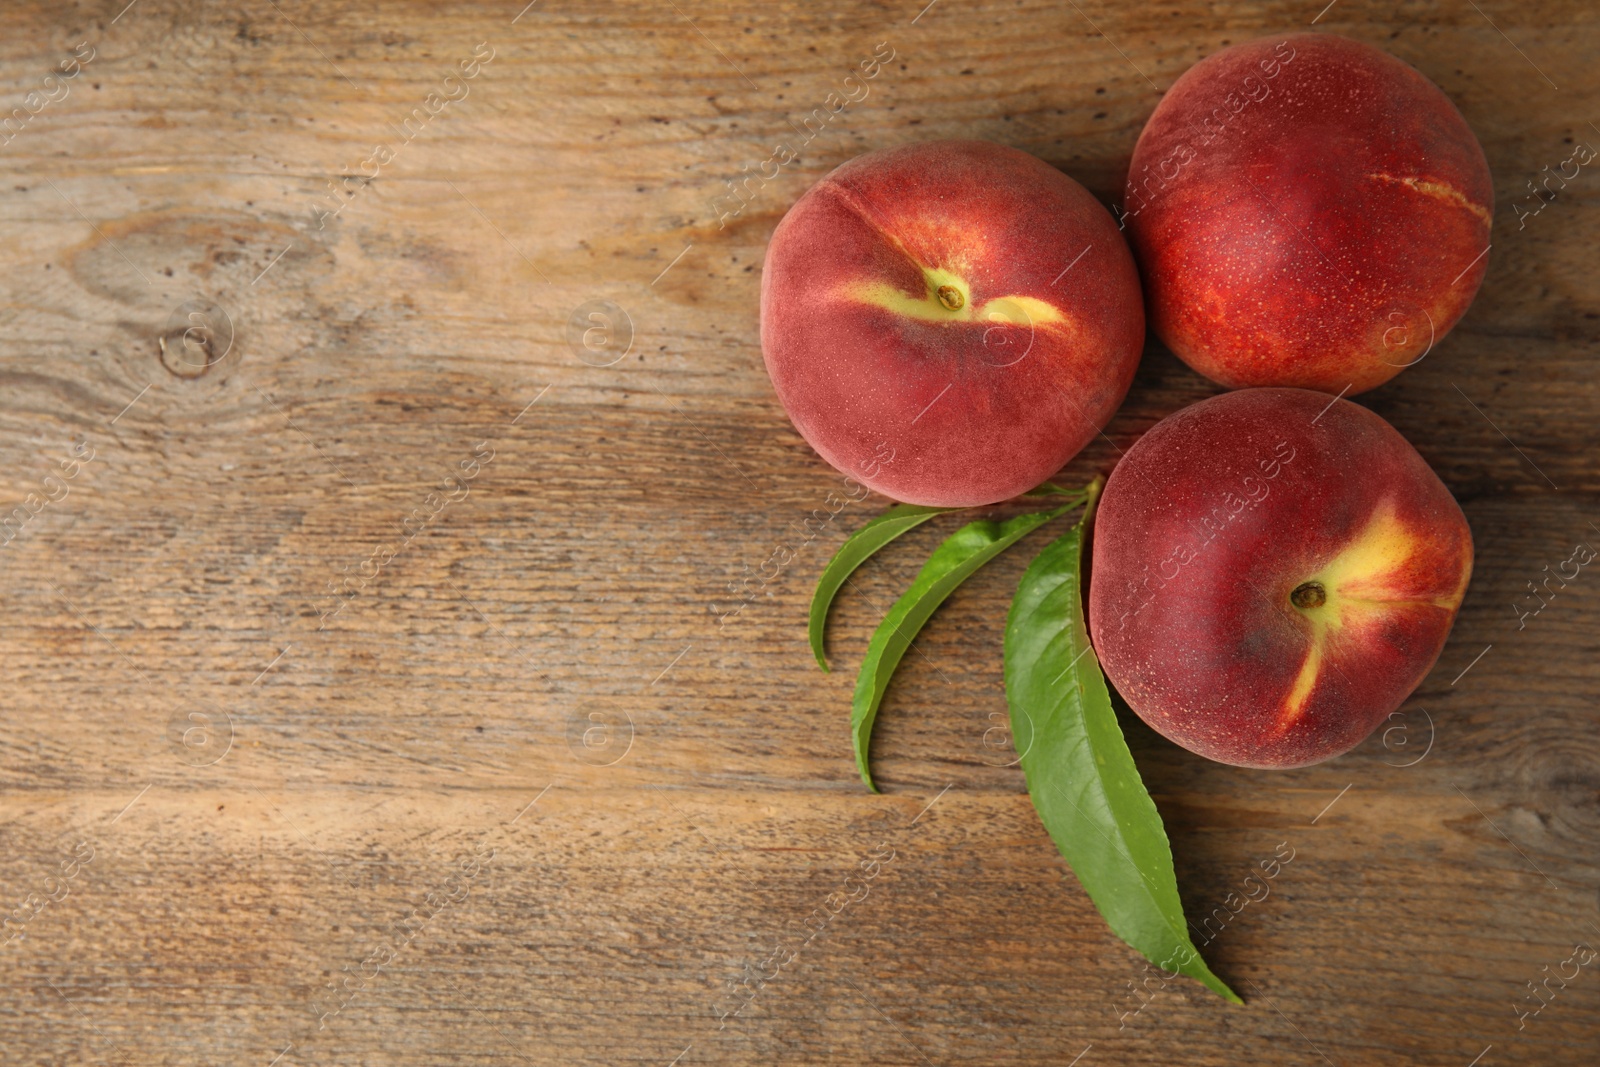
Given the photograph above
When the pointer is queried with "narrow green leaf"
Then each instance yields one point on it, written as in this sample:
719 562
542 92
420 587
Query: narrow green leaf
856 550
1047 489
962 553
1080 773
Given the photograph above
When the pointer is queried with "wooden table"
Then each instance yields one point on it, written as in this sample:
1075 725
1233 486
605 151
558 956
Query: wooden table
532 794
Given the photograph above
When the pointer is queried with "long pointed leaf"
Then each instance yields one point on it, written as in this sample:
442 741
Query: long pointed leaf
1080 773
962 553
855 551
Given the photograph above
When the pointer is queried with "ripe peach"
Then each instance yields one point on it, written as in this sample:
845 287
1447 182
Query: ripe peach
1273 573
1307 211
949 322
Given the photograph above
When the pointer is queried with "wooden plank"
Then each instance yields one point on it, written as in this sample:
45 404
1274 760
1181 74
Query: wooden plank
626 810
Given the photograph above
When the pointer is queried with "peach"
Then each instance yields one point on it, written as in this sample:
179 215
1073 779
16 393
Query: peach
949 322
1273 573
1307 211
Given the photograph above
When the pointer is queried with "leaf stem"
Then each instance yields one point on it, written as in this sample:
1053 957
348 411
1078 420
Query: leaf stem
1091 494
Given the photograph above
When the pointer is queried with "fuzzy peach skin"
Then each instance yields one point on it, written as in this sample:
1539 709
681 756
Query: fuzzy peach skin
949 322
1273 572
1307 211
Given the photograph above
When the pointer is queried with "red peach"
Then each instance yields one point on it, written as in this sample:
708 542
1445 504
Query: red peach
949 322
1273 573
1307 211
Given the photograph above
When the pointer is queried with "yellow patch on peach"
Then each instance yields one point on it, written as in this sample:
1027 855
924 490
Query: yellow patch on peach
1374 568
1295 703
1440 191
930 307
1358 586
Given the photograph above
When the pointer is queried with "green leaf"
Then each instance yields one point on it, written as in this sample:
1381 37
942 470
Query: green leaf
1080 773
1046 489
962 553
858 547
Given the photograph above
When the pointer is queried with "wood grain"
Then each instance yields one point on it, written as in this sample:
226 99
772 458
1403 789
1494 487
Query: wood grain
525 798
